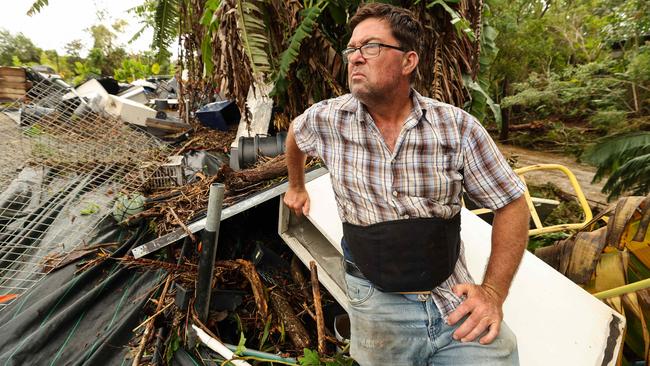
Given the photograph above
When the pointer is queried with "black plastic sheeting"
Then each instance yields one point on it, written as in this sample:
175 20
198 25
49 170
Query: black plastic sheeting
68 318
83 319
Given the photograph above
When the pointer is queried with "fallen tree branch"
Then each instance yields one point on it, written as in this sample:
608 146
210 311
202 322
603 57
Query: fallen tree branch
320 322
148 330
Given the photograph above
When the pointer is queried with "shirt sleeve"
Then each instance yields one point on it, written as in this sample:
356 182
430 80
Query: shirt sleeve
305 131
488 179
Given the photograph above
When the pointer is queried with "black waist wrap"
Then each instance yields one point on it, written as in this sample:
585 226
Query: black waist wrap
405 255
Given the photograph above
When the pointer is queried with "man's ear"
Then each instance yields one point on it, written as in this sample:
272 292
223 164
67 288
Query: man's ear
410 62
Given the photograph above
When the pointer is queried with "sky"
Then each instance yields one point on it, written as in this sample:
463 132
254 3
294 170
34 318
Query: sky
65 20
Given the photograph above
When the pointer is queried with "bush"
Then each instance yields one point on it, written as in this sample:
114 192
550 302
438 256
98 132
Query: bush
576 93
607 120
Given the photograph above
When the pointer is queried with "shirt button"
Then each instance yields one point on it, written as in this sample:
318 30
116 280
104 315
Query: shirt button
405 216
395 193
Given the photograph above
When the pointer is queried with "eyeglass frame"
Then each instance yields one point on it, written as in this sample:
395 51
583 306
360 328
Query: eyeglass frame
346 53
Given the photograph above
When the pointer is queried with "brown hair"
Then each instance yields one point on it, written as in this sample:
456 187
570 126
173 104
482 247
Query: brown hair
405 28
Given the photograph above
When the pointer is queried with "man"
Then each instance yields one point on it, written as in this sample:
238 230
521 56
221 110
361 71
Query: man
398 163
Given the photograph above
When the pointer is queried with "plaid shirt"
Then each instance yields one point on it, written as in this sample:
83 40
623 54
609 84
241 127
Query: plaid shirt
440 150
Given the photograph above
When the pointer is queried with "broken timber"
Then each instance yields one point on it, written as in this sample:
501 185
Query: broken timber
241 206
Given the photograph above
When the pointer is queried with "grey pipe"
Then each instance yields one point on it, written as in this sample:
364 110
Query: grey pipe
209 241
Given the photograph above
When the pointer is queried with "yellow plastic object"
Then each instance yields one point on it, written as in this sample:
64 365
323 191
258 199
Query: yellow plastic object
539 227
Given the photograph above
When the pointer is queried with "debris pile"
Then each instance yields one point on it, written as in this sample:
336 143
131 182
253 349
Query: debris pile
103 168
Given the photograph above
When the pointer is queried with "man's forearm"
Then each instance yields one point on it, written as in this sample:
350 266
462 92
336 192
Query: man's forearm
295 161
509 239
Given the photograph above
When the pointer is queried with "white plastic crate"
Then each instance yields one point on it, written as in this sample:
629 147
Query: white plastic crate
169 174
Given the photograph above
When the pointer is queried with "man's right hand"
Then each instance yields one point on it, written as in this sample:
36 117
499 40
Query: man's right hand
297 199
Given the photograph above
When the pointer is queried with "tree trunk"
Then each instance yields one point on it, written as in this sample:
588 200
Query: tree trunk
505 120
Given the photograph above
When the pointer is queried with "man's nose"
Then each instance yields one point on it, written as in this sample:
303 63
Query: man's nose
356 58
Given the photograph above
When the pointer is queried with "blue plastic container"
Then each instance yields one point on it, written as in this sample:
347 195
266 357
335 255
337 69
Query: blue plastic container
219 115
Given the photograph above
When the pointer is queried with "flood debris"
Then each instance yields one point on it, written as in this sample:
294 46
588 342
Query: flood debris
146 171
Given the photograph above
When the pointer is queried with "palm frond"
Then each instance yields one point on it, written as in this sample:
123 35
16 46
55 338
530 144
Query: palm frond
290 55
253 37
633 175
166 26
37 6
616 145
211 22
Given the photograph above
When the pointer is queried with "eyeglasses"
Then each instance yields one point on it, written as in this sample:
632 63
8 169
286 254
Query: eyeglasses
368 50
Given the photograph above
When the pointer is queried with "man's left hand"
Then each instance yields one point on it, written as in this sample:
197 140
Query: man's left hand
484 306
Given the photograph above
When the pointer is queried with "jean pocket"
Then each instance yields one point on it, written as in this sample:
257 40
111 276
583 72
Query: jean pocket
358 289
449 295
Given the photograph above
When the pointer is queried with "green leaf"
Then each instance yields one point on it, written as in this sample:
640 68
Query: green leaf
241 347
91 208
174 345
310 358
206 55
265 334
477 90
290 55
166 26
253 37
461 24
36 7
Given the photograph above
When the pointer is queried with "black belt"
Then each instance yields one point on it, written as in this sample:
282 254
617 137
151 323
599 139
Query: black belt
353 270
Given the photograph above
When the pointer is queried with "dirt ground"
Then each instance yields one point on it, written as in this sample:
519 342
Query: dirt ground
584 173
14 151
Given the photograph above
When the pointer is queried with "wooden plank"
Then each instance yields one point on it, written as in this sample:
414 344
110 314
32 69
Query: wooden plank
12 71
13 79
167 125
11 96
13 85
11 90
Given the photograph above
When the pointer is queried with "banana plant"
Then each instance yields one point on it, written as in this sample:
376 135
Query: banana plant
613 263
627 159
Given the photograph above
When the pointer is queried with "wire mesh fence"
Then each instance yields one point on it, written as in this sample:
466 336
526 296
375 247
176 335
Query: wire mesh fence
63 165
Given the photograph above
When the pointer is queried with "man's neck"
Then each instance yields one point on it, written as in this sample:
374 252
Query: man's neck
393 109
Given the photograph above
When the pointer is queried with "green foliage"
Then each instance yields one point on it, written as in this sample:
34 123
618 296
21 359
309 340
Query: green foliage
17 46
639 66
132 69
211 23
91 208
311 358
84 71
166 26
36 7
461 25
544 240
290 55
173 345
33 130
606 120
627 158
241 346
577 92
252 32
479 90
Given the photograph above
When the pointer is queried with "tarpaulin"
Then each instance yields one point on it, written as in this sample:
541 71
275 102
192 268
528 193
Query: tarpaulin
80 319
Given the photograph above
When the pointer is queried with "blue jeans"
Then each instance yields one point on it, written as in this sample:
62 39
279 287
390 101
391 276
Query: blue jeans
398 329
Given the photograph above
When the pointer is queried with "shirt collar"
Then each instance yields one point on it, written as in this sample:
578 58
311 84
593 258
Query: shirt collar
353 105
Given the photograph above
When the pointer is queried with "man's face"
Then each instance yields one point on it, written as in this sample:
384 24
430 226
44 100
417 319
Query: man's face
369 79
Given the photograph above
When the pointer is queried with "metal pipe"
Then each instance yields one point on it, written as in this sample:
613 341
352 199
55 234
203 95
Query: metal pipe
208 253
259 354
